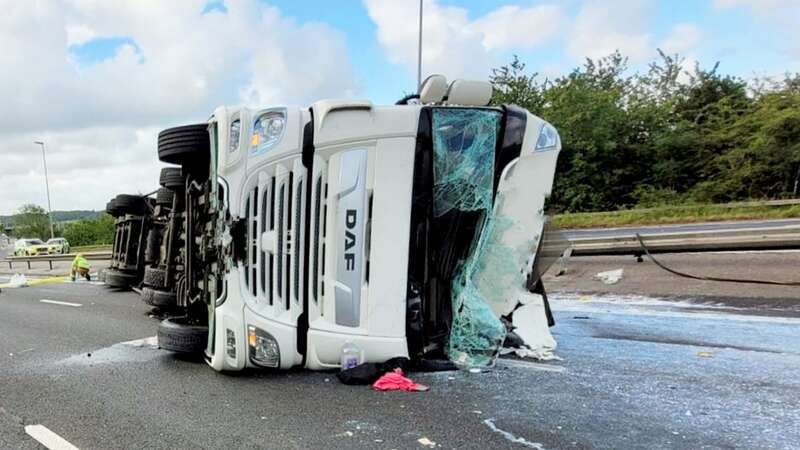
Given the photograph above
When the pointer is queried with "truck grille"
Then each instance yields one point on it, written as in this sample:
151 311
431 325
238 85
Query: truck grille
319 209
275 209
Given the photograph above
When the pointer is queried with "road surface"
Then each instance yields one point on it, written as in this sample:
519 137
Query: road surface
680 228
649 375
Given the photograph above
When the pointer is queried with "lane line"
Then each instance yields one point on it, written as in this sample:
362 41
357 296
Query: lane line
47 438
510 437
56 302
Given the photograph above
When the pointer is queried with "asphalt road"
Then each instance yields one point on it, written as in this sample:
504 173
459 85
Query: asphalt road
681 228
634 374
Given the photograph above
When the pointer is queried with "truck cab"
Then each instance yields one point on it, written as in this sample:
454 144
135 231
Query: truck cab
392 228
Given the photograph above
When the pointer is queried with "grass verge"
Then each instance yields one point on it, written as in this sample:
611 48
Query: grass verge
674 214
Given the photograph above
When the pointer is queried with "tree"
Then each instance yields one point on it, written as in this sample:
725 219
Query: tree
97 231
668 135
31 222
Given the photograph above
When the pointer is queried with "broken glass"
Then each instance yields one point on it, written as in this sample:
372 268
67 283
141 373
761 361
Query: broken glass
464 142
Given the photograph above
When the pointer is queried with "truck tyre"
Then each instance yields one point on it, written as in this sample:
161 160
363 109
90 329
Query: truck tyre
159 298
185 145
118 279
155 277
164 197
176 334
112 209
172 178
130 204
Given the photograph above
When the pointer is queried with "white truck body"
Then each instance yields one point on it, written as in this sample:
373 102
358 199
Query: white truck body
308 285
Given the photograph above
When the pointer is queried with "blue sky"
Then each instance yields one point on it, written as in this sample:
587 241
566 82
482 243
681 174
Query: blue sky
96 80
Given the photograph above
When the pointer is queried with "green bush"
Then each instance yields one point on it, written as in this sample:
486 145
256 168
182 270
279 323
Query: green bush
99 231
664 136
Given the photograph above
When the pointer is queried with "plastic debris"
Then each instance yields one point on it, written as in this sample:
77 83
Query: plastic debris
530 323
18 280
396 381
609 277
426 442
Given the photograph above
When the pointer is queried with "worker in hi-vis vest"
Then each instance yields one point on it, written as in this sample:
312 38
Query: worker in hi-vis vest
80 266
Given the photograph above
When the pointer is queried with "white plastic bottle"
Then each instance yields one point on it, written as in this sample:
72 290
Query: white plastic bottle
351 356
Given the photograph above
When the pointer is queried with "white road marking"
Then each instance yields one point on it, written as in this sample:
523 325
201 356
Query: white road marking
510 437
56 302
47 438
531 365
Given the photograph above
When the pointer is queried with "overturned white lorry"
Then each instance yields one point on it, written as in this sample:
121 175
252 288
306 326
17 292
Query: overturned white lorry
405 230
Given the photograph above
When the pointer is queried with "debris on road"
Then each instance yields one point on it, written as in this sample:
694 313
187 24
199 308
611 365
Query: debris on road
17 281
369 373
396 381
426 442
609 277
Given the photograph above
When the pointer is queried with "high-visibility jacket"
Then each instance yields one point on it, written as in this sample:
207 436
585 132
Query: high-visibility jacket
80 262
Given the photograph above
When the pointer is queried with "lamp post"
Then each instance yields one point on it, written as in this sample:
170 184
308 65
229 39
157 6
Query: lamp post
47 186
419 50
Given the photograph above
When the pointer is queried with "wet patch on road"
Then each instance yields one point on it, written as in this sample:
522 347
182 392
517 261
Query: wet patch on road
680 341
139 350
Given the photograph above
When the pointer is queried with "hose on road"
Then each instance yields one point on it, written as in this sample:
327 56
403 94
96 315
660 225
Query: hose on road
707 278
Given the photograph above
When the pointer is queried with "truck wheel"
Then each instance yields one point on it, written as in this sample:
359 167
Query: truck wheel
177 334
164 197
158 298
172 178
112 208
184 145
155 277
119 279
130 204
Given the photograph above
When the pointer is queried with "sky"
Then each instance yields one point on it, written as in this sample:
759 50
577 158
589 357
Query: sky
96 80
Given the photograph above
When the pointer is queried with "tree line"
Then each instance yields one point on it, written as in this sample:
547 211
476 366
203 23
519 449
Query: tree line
665 136
31 221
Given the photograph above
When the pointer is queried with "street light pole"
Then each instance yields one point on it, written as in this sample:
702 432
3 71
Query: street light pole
47 186
419 50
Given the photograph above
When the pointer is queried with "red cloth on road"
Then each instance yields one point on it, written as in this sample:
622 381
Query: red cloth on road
396 381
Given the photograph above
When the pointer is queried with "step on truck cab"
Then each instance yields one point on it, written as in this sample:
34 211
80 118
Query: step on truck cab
308 228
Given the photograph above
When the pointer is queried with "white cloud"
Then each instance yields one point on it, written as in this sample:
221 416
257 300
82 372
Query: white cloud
79 34
683 38
452 43
515 27
100 121
602 27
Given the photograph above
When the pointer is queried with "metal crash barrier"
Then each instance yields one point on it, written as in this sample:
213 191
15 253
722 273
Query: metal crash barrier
92 256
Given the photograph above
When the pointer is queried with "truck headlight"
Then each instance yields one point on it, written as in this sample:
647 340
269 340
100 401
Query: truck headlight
264 350
230 343
267 131
548 138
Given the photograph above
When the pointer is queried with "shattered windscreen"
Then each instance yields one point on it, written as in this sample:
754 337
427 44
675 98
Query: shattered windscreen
464 143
